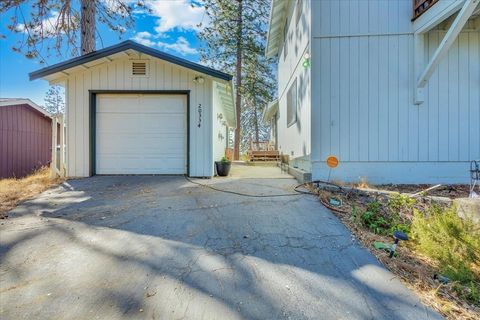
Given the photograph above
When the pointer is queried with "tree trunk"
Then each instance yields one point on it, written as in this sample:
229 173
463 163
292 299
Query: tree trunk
238 98
87 26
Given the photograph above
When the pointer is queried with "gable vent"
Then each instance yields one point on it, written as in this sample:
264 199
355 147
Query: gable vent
139 68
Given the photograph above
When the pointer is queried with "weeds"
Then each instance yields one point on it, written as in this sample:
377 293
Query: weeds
450 240
14 191
439 243
385 219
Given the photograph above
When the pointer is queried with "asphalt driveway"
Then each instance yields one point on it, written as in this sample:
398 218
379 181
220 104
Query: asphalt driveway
152 247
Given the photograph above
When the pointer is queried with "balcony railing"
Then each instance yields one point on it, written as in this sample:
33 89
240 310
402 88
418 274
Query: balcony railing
420 6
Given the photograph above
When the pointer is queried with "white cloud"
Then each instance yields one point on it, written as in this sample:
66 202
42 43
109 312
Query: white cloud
49 27
144 38
178 14
181 46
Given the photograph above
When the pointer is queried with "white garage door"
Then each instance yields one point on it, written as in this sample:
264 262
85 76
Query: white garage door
141 134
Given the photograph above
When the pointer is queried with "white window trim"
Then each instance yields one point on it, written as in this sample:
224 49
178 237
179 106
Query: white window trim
295 118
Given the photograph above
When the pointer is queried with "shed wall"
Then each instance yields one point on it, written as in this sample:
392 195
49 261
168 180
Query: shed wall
25 140
116 75
362 93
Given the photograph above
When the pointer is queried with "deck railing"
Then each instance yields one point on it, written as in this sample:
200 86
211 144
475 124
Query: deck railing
261 146
420 6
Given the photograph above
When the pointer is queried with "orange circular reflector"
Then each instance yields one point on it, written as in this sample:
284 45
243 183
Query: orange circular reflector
332 162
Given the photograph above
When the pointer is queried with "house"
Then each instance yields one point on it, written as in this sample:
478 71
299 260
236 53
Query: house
131 109
25 137
393 94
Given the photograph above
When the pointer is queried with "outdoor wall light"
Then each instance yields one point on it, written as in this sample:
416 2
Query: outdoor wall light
199 80
306 60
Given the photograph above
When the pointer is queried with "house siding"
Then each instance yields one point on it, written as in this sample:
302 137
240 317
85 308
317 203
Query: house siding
25 140
363 84
295 140
220 136
116 75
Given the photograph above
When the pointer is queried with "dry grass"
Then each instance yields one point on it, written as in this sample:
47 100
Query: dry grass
412 268
13 191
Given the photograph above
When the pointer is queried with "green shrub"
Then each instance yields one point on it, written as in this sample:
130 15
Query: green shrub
384 219
373 219
453 242
398 203
469 291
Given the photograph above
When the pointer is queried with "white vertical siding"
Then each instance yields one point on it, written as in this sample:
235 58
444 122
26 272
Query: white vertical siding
295 140
363 85
358 17
115 75
219 131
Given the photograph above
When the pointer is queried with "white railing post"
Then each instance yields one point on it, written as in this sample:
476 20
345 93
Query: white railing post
53 163
62 146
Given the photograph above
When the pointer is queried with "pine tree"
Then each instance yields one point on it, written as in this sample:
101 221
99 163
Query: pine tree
259 88
235 41
53 25
54 102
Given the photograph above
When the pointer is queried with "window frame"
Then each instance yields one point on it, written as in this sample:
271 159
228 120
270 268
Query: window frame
292 115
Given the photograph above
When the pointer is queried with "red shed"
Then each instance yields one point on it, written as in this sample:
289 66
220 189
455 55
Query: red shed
25 137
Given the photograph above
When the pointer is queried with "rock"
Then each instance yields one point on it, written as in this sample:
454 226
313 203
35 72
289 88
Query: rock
468 207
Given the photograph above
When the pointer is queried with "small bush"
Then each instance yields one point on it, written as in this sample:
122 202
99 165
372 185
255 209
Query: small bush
373 219
398 207
450 240
382 219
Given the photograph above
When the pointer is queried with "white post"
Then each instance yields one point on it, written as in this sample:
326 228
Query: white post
62 146
53 163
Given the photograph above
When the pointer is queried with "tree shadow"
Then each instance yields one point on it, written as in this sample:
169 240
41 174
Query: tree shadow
163 247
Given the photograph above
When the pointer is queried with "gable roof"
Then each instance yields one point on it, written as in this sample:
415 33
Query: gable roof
123 46
8 102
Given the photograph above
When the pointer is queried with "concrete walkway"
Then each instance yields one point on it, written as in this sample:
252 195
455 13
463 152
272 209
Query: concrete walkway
163 248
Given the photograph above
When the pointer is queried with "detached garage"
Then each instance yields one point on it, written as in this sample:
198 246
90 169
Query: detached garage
131 109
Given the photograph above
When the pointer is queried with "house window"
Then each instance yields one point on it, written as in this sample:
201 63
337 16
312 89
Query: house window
298 11
292 104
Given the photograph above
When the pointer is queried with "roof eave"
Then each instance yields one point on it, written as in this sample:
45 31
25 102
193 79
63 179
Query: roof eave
270 110
267 46
271 49
123 46
32 104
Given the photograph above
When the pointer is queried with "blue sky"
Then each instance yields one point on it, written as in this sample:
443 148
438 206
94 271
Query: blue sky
171 27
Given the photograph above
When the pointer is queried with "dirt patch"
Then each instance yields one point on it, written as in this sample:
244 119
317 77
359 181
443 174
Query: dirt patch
13 191
414 269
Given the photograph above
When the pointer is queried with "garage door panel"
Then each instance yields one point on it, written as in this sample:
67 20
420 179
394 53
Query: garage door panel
165 123
111 142
153 123
132 103
140 134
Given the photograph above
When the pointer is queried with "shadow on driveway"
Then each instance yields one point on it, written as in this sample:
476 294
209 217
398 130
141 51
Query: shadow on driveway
153 247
